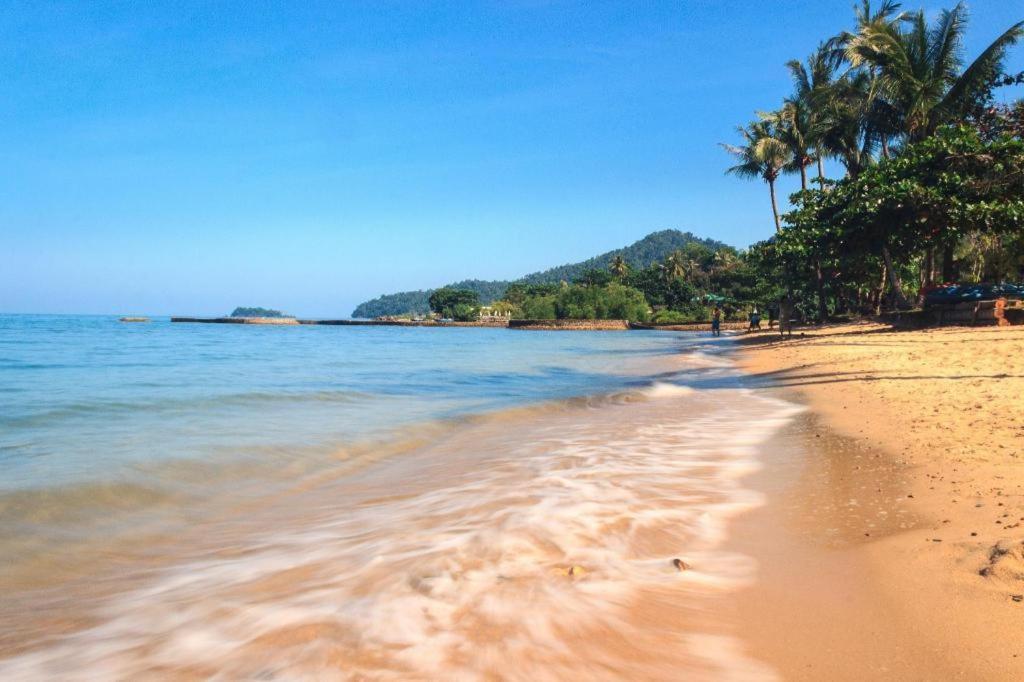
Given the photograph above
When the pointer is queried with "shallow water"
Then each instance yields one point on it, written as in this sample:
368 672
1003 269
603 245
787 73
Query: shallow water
189 501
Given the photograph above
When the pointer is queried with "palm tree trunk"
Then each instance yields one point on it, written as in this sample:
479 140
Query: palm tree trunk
821 173
803 177
775 206
885 147
894 280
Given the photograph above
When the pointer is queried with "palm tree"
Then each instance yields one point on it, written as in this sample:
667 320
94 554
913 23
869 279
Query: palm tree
919 68
811 83
675 265
725 259
920 74
848 129
793 127
763 156
618 267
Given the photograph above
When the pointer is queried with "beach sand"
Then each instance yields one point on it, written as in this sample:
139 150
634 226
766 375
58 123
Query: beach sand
891 544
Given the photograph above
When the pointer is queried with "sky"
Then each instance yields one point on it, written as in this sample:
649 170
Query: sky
186 157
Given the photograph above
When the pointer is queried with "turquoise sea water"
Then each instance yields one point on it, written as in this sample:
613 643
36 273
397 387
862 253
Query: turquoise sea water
190 501
89 398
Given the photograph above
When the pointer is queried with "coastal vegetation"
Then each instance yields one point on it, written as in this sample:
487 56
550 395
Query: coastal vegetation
930 190
651 249
257 312
932 186
461 305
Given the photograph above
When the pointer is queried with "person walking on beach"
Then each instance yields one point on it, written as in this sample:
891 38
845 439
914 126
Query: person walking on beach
785 313
716 321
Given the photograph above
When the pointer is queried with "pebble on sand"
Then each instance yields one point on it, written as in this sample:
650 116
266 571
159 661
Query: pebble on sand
681 565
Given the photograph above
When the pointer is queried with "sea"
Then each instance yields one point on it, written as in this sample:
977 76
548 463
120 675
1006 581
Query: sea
207 501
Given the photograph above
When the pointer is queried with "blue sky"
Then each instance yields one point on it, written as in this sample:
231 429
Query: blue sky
180 157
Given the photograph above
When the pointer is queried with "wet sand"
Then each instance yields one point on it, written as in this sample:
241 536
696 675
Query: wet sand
890 547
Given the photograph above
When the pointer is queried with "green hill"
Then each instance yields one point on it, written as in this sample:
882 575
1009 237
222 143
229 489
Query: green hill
654 247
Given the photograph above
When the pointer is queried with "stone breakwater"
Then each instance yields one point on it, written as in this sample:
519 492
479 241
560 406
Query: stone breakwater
238 320
551 325
574 325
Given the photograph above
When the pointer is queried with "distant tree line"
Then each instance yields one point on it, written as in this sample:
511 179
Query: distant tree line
642 253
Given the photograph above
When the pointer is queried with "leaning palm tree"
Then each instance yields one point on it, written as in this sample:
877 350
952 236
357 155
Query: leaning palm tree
793 127
920 68
618 267
763 155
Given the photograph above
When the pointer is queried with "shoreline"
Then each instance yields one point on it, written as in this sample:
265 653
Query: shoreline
890 544
564 567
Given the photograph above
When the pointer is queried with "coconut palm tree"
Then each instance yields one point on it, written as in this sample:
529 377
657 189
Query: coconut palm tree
811 83
724 260
920 75
920 68
618 267
793 127
675 265
848 129
763 155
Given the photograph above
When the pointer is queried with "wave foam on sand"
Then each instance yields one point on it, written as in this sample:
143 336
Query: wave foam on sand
528 549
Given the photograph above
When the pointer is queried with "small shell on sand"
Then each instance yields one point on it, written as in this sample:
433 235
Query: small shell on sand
681 565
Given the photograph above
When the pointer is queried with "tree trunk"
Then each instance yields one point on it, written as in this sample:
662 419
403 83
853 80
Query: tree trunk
885 147
894 280
775 207
879 293
803 177
948 271
821 173
822 303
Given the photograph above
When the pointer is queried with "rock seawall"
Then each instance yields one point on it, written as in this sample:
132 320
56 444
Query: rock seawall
570 325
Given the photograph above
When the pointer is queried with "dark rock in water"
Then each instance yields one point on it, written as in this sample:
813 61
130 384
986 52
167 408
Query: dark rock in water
134 319
681 565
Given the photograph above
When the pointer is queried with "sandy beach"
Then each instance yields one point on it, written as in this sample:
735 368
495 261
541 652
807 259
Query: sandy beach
891 544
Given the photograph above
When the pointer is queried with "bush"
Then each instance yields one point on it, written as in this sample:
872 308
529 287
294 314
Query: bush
539 308
691 315
464 312
669 317
611 302
445 301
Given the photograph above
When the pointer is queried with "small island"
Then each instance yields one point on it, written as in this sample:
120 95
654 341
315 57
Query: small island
243 315
258 312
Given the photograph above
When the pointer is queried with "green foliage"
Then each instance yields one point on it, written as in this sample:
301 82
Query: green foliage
612 301
458 304
888 101
257 312
652 248
694 315
539 307
465 312
594 278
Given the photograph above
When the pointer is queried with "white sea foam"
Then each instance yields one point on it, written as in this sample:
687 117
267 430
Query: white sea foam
457 569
